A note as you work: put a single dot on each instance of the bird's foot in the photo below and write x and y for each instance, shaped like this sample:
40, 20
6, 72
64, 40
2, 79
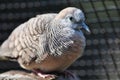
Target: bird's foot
50, 76
43, 75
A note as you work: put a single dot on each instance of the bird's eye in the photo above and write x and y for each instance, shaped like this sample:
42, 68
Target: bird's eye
71, 19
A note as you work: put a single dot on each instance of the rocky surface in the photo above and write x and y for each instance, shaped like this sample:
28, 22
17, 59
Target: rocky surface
22, 75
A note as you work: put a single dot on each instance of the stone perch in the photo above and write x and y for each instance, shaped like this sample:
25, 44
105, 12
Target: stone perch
22, 75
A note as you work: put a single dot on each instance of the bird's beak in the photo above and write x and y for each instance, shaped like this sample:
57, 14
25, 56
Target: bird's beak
84, 26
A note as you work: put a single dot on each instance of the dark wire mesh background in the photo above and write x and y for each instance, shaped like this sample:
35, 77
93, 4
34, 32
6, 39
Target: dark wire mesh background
101, 59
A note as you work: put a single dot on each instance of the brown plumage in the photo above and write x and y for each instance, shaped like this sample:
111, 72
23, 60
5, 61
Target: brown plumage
47, 42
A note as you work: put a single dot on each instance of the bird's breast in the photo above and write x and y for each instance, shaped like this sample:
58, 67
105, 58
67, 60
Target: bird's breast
63, 61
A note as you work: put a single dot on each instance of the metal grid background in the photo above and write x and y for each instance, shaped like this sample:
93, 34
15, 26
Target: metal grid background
101, 59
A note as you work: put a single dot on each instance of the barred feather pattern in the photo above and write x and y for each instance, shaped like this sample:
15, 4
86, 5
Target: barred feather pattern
58, 41
38, 36
29, 38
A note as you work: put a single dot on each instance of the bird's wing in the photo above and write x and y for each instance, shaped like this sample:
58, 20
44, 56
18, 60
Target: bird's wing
27, 40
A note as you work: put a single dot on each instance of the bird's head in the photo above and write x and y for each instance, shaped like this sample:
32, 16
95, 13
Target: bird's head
73, 18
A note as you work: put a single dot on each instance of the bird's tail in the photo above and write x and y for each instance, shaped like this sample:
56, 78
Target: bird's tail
5, 55
3, 58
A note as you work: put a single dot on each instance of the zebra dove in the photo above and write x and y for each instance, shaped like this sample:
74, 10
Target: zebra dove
48, 42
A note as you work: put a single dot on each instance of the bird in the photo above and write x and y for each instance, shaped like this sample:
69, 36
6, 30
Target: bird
48, 42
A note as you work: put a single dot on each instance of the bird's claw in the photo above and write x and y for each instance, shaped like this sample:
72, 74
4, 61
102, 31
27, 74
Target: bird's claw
50, 76
44, 75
